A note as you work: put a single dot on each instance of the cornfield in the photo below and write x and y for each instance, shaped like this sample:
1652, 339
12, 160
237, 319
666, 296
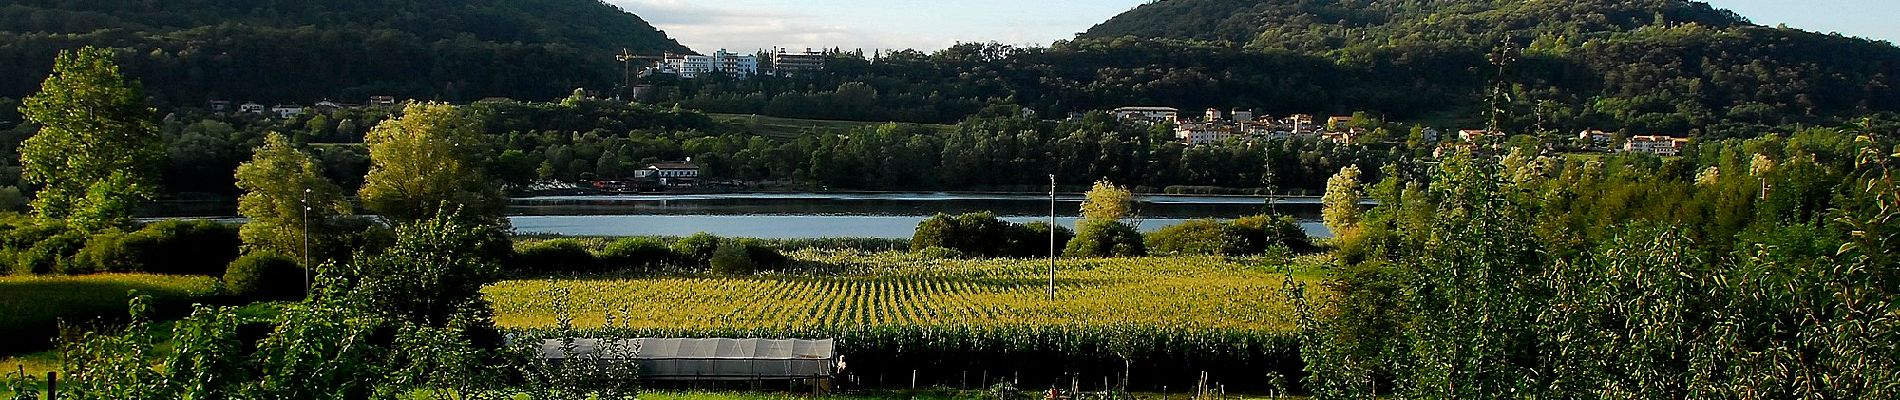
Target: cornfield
896, 311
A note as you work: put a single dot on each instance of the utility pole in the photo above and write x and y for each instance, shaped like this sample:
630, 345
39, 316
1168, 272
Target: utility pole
1052, 237
306, 241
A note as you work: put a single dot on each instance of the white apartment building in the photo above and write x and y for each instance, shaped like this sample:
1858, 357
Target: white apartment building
692, 66
1197, 134
1656, 144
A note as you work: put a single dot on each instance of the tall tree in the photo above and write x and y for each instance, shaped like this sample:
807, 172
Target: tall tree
1107, 201
426, 163
1340, 205
278, 183
97, 150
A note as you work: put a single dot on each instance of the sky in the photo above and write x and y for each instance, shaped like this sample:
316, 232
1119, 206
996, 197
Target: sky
749, 25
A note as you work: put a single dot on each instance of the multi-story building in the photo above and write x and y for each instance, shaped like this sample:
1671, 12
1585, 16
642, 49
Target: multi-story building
1194, 134
693, 66
1151, 114
1656, 144
785, 63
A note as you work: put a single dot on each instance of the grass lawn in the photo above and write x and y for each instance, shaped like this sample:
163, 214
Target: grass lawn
793, 128
873, 290
35, 305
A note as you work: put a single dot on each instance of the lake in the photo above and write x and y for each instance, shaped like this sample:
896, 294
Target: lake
878, 215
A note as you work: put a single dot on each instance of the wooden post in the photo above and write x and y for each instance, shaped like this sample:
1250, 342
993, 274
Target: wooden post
52, 385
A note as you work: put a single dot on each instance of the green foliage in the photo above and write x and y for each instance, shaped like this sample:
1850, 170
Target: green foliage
1107, 202
1260, 233
1340, 205
554, 256
698, 248
428, 163
53, 255
981, 234
732, 259
283, 187
264, 276
1109, 238
184, 247
1196, 237
432, 274
97, 150
639, 254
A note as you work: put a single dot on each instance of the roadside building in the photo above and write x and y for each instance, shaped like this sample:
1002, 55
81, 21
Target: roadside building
1150, 114
251, 108
1594, 138
671, 173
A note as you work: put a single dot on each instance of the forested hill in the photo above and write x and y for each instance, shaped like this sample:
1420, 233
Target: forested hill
301, 51
1666, 65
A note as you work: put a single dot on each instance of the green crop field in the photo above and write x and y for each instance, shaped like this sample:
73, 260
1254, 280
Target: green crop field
958, 322
897, 290
35, 304
792, 127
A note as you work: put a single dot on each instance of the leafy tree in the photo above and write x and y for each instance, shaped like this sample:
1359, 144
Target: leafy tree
283, 188
1340, 205
1106, 201
428, 163
97, 149
1105, 238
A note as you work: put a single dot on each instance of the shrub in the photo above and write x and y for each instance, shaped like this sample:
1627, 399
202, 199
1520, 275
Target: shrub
54, 255
1032, 239
732, 258
699, 248
763, 256
1259, 233
111, 251
984, 235
641, 253
1196, 237
180, 247
1105, 238
939, 253
554, 256
264, 276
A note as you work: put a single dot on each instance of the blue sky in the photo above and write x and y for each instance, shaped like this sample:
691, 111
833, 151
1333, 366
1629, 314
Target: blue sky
747, 25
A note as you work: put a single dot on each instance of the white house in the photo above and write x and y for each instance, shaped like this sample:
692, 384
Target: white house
1151, 114
671, 173
1656, 144
287, 110
1197, 134
253, 108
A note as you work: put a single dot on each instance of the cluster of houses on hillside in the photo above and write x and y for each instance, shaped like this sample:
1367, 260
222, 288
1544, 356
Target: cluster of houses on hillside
1217, 127
293, 110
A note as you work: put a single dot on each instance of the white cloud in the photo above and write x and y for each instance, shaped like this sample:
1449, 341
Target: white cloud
707, 28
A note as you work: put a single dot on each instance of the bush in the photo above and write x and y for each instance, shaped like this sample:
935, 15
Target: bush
54, 255
1259, 233
111, 251
1196, 237
731, 258
179, 247
939, 253
554, 256
264, 276
639, 254
1105, 238
983, 235
699, 248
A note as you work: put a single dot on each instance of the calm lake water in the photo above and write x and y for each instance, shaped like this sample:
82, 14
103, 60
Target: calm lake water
882, 215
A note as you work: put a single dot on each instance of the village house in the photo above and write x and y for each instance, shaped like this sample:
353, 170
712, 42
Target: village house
1594, 138
287, 110
1338, 123
220, 106
1660, 145
1154, 115
1299, 122
1213, 116
1475, 135
382, 101
252, 108
1198, 134
1243, 116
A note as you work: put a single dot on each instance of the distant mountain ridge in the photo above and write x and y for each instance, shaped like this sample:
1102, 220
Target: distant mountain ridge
275, 50
1668, 65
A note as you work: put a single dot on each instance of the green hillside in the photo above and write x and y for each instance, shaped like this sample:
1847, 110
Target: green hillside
187, 51
1664, 65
